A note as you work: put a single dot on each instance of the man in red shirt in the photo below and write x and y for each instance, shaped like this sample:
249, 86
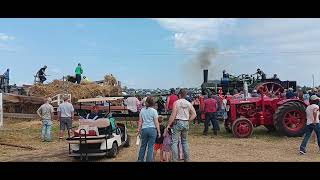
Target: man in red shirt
210, 109
170, 100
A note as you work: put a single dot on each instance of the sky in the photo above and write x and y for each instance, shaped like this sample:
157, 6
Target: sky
160, 53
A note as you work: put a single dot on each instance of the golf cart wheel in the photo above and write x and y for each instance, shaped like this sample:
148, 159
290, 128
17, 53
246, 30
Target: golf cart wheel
290, 119
127, 143
242, 128
113, 151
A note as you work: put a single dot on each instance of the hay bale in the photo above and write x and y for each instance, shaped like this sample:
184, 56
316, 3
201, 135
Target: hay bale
110, 80
84, 90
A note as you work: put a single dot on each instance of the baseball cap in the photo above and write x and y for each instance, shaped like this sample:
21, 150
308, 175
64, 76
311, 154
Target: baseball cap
314, 97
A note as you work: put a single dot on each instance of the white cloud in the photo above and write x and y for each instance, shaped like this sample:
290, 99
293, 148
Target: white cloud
189, 34
252, 43
5, 37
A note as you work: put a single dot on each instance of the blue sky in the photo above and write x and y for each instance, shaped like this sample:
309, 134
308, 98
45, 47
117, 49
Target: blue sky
151, 53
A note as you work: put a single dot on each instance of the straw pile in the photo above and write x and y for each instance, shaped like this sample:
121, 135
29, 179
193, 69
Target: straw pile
84, 90
110, 80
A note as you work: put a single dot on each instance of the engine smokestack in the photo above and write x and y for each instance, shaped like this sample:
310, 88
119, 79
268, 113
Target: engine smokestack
205, 75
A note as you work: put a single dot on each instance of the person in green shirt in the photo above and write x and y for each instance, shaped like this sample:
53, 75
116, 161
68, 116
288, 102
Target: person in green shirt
78, 72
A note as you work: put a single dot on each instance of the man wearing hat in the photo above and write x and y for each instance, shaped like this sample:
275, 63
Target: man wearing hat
261, 73
290, 94
41, 74
78, 72
65, 116
255, 93
312, 113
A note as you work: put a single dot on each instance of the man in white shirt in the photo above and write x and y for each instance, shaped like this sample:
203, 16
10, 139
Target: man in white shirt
132, 105
182, 113
312, 113
65, 116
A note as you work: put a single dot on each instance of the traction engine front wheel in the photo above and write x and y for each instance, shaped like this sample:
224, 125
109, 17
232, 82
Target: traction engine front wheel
242, 128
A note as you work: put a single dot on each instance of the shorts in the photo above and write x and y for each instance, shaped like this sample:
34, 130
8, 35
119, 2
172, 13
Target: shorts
65, 121
133, 114
157, 147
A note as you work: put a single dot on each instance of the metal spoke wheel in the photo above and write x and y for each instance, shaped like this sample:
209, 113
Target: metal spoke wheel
242, 128
270, 89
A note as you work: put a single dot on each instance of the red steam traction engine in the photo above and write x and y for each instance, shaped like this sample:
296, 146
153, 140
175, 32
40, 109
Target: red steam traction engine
286, 116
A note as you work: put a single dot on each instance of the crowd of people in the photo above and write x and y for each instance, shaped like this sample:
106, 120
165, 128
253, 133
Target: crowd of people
183, 108
172, 141
171, 137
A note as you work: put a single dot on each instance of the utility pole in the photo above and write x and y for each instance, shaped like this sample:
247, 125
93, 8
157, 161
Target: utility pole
313, 80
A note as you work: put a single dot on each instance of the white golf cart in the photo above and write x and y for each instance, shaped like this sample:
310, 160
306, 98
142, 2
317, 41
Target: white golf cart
100, 137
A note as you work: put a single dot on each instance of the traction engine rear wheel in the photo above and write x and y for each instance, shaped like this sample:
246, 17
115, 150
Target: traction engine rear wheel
270, 89
242, 128
290, 119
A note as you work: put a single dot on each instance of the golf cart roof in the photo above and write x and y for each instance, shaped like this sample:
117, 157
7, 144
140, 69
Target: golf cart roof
100, 99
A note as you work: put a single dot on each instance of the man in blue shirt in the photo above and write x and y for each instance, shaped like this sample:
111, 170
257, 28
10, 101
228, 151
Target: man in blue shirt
290, 94
95, 113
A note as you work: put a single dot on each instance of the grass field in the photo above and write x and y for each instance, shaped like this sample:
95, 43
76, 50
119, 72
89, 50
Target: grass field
261, 147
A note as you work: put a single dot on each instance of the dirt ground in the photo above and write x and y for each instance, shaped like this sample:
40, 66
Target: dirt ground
261, 147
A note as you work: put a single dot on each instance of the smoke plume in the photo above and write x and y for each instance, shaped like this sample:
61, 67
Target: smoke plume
205, 57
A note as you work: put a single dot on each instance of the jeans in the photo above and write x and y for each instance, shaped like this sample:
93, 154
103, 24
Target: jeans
310, 128
211, 117
78, 78
148, 138
46, 129
180, 129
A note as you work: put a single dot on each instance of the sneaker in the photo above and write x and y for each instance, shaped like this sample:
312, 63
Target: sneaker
302, 152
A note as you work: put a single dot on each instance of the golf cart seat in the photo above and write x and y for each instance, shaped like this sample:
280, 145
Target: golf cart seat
92, 126
99, 123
